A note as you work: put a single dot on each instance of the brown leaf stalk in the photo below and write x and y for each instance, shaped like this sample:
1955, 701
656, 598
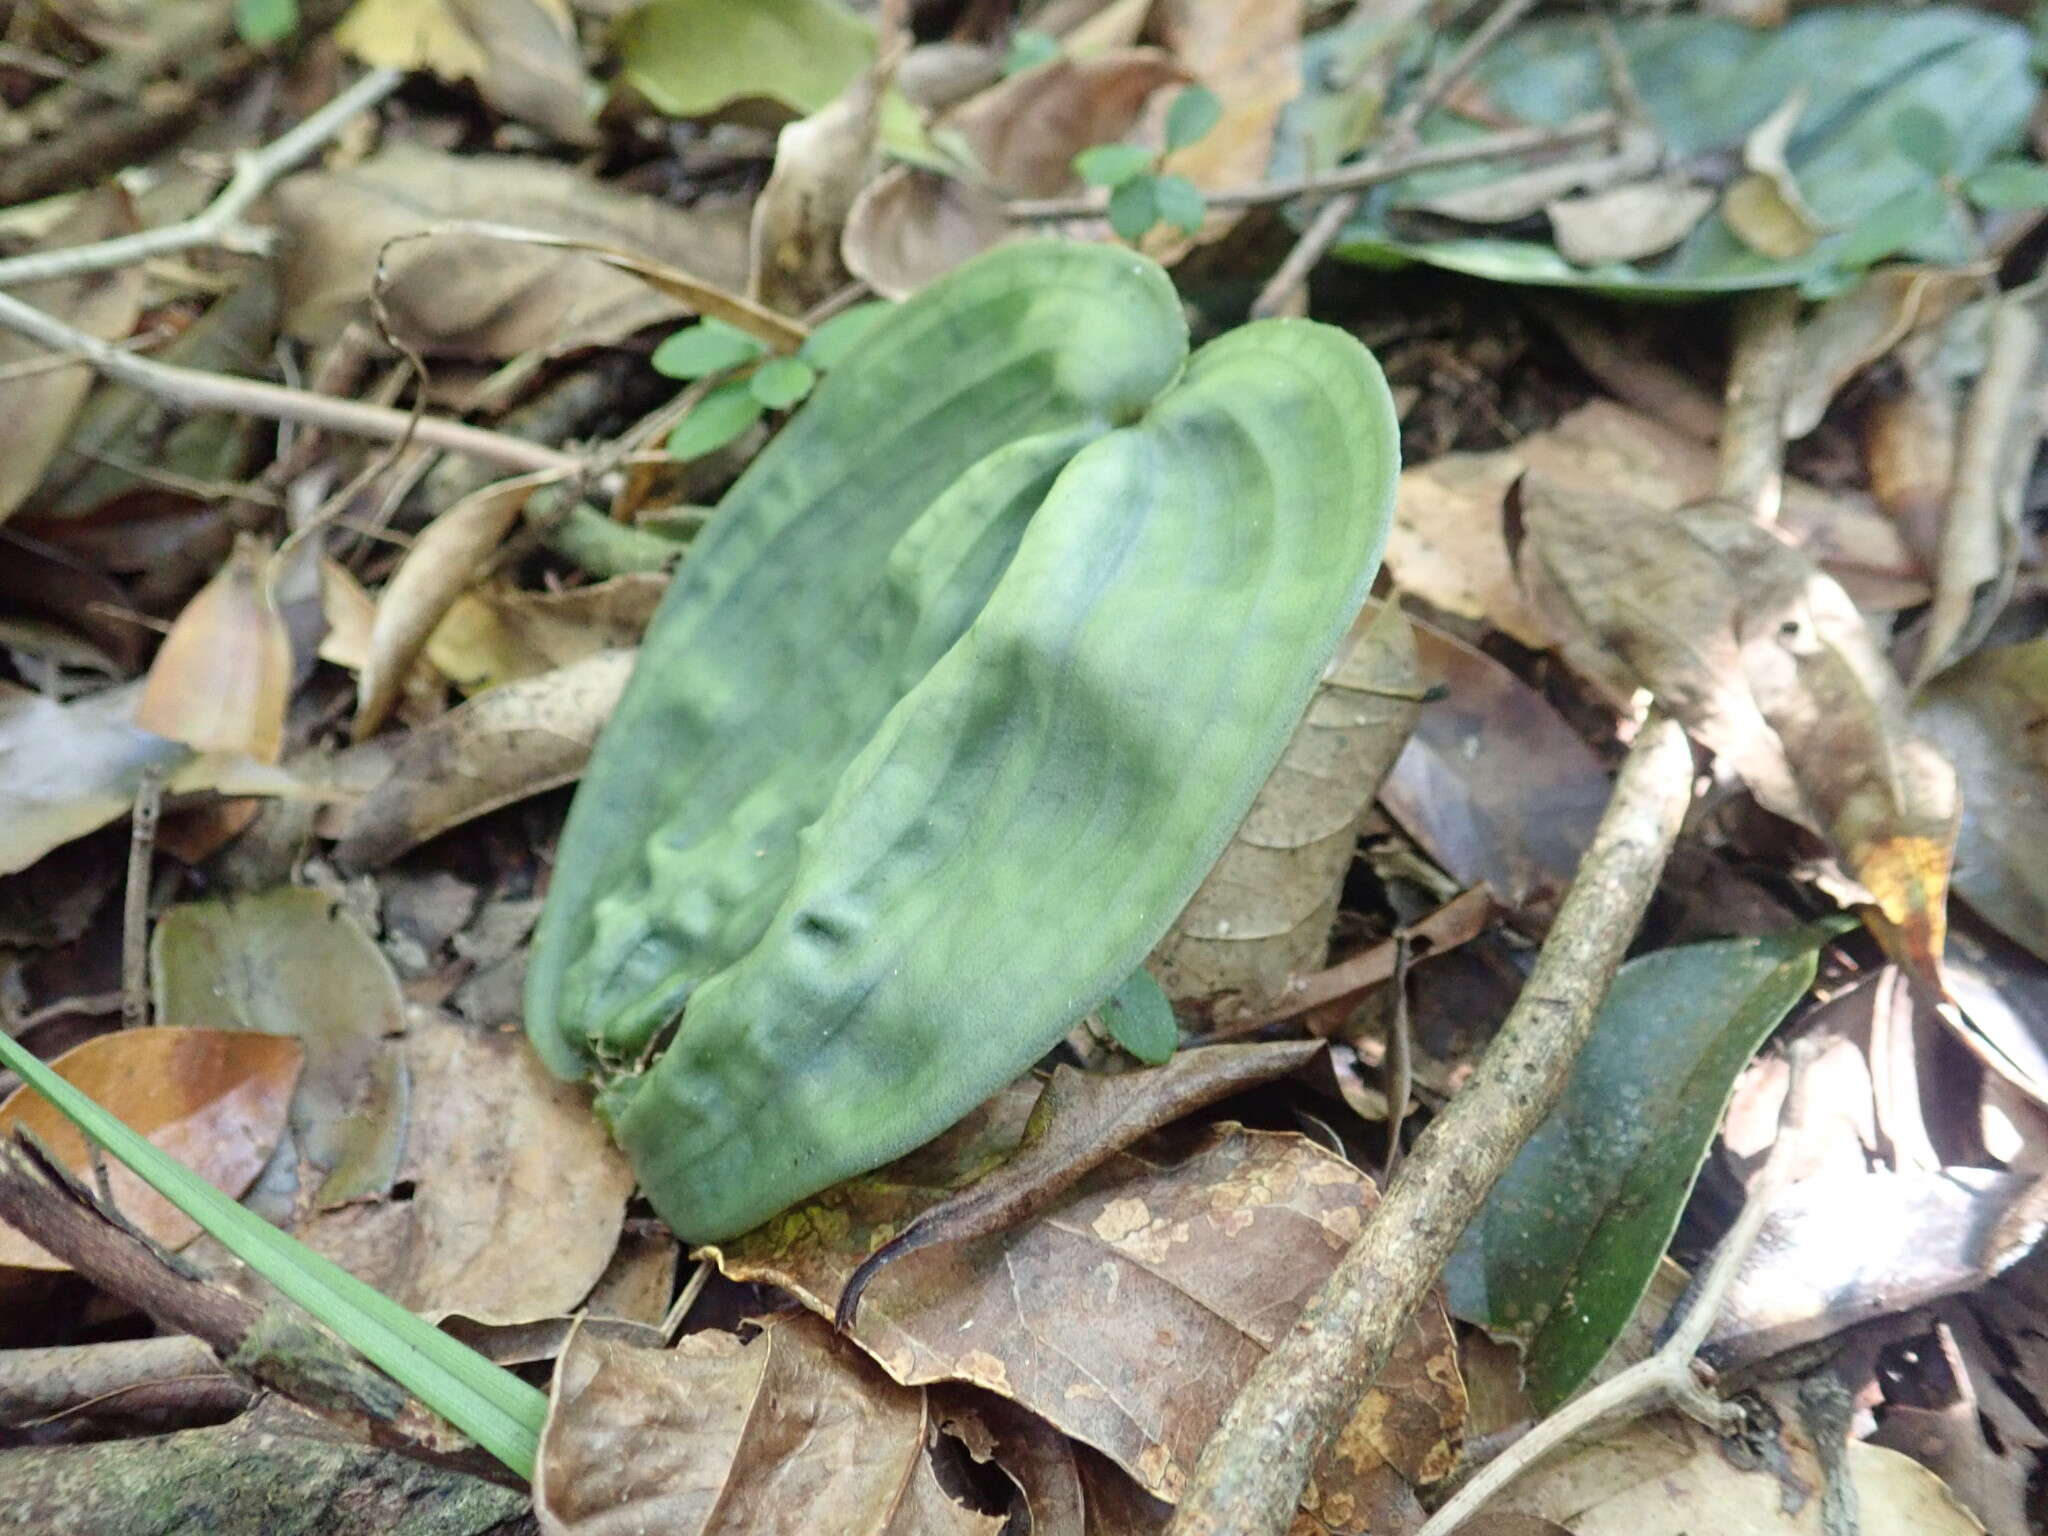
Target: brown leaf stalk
1252, 1473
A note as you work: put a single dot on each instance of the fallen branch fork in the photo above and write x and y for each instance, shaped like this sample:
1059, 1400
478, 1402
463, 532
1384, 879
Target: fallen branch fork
1254, 1468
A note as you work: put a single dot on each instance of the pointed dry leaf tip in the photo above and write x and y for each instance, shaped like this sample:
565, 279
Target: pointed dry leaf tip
223, 677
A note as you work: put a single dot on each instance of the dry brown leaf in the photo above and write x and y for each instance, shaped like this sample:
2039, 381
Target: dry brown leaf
1130, 1312
1910, 424
1765, 208
499, 634
1627, 223
38, 403
507, 744
1493, 784
522, 54
1249, 53
910, 226
442, 563
1765, 659
213, 1099
468, 296
791, 1430
1849, 333
290, 962
518, 1193
1079, 1120
222, 680
1262, 916
42, 584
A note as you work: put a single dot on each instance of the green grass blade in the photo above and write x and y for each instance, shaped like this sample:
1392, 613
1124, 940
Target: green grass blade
493, 1407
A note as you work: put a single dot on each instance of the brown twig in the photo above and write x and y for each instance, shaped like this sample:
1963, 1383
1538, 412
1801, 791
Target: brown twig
149, 799
1753, 413
1252, 1472
128, 1378
1672, 1374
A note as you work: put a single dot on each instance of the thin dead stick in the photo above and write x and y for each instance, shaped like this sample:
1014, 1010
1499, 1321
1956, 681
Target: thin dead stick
1753, 419
220, 222
1329, 221
196, 390
1671, 1375
1254, 1468
1357, 175
149, 797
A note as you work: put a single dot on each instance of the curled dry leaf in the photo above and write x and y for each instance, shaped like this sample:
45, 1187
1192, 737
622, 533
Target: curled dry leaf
518, 1193
1766, 660
1849, 333
499, 634
1627, 223
791, 1429
1128, 1313
1765, 208
522, 54
214, 1099
38, 401
503, 746
442, 563
222, 680
289, 962
1262, 916
467, 296
910, 226
1910, 425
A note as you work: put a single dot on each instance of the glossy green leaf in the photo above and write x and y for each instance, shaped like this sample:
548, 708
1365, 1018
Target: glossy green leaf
834, 341
716, 420
1111, 165
1179, 202
1194, 112
1706, 82
780, 384
491, 1405
2008, 184
957, 698
1140, 1019
706, 347
1134, 207
1569, 1238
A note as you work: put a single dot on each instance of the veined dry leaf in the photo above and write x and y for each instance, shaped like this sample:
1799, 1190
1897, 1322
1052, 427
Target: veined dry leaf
289, 962
1766, 208
522, 54
442, 563
1766, 660
1262, 916
498, 634
1847, 334
518, 1196
1627, 223
509, 743
1249, 53
1130, 1312
67, 769
465, 296
223, 678
38, 404
214, 1099
789, 1430
909, 226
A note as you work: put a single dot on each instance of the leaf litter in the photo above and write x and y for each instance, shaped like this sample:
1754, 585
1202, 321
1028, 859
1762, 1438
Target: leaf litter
1057, 1318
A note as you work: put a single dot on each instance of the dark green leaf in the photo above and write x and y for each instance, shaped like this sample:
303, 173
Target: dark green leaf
780, 384
718, 418
1134, 208
836, 338
1892, 226
1569, 1238
260, 23
1029, 49
1194, 112
1140, 1019
706, 347
1179, 202
1923, 136
2007, 184
1111, 165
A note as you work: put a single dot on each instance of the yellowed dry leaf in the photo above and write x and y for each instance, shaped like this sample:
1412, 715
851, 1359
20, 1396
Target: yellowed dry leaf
499, 634
1765, 208
222, 679
522, 54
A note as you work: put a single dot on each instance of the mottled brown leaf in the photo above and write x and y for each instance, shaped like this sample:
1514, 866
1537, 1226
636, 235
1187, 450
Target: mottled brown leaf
222, 679
213, 1099
789, 1431
1130, 1312
500, 633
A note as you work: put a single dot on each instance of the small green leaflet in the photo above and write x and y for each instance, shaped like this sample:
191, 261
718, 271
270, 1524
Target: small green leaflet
709, 346
1179, 202
1112, 165
1134, 208
1140, 1019
259, 23
2009, 184
781, 383
1923, 136
1194, 112
717, 419
492, 1406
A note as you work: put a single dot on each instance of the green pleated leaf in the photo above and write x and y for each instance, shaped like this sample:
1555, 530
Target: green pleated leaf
491, 1405
1569, 1238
